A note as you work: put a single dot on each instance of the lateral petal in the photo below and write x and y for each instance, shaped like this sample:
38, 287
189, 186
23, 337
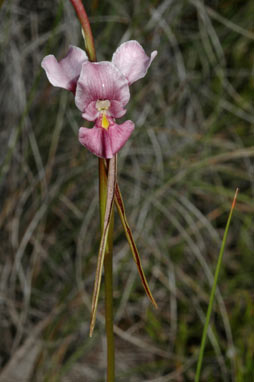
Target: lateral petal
91, 113
116, 109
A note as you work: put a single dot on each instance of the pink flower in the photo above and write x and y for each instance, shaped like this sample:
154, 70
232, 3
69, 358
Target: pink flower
101, 92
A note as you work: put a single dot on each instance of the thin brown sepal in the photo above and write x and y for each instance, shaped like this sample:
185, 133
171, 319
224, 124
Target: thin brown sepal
133, 247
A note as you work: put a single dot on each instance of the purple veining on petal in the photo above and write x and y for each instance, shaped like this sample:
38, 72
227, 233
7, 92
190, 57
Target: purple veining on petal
91, 112
100, 81
119, 134
116, 109
96, 140
106, 142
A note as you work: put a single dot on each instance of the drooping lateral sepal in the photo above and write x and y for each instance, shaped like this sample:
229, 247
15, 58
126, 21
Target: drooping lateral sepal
104, 238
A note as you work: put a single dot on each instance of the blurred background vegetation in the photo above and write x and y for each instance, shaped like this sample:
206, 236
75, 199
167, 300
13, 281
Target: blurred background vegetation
192, 146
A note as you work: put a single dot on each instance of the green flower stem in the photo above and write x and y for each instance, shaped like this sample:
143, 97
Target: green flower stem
84, 21
108, 273
108, 268
212, 295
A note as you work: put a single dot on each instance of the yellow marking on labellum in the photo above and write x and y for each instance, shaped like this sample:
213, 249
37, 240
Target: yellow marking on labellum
104, 121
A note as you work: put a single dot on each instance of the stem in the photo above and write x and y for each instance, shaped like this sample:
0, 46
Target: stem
108, 271
83, 18
108, 268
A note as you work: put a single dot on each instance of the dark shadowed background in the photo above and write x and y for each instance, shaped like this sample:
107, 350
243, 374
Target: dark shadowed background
192, 146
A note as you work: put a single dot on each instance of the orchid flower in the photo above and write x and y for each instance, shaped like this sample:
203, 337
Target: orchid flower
101, 91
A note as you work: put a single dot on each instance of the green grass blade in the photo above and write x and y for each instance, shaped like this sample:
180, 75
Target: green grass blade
212, 295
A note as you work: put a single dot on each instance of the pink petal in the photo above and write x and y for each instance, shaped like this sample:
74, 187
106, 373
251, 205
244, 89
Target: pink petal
106, 143
96, 140
131, 59
119, 134
91, 113
65, 73
116, 109
100, 81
